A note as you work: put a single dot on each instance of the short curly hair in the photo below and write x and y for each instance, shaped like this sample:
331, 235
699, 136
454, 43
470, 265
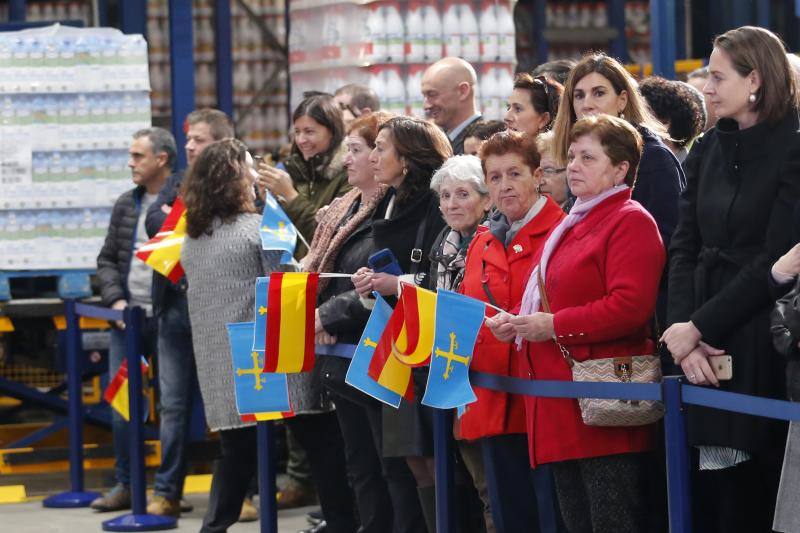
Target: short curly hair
675, 104
514, 142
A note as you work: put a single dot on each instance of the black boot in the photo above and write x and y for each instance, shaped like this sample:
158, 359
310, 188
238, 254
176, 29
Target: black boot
427, 499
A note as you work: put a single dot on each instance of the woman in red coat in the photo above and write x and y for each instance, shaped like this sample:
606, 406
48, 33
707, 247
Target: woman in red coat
492, 430
601, 268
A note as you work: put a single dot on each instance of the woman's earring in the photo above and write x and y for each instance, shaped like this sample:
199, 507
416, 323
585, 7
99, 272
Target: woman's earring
752, 98
539, 188
622, 115
405, 171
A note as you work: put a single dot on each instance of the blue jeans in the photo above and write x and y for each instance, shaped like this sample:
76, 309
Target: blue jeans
176, 378
119, 426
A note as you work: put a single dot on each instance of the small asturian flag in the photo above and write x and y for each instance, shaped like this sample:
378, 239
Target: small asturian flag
458, 320
163, 252
277, 231
357, 373
259, 395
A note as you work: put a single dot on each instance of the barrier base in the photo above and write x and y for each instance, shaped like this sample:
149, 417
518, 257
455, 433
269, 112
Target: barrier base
140, 522
65, 500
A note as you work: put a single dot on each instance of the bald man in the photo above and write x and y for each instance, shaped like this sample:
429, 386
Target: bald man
448, 89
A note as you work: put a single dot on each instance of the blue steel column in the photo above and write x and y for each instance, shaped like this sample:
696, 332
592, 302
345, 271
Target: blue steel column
662, 37
268, 506
616, 19
16, 11
539, 25
223, 51
763, 13
680, 509
181, 55
443, 457
680, 30
75, 497
133, 15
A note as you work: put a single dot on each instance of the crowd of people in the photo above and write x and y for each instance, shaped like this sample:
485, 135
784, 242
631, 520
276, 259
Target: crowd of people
603, 218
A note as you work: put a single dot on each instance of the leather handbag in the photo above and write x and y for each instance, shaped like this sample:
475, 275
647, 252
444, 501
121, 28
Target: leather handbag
625, 369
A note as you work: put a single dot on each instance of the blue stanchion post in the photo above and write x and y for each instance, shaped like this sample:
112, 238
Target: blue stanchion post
268, 506
138, 519
76, 497
443, 458
680, 511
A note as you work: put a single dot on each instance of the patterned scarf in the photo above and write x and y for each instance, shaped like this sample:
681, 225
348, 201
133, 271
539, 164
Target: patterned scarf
450, 261
333, 229
531, 299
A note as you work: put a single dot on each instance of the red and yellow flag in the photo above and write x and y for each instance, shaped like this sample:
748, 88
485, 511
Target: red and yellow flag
116, 394
163, 252
264, 417
406, 341
291, 302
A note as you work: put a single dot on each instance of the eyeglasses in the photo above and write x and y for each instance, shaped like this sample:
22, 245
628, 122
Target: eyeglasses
550, 171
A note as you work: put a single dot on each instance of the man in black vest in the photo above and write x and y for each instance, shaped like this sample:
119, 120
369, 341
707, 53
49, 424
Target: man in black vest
448, 89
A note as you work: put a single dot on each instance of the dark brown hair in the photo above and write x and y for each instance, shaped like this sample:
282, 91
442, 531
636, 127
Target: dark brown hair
325, 111
620, 141
366, 126
511, 142
545, 94
636, 111
220, 125
215, 187
422, 147
752, 48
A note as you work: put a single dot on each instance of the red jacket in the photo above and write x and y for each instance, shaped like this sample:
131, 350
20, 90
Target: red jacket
506, 272
601, 282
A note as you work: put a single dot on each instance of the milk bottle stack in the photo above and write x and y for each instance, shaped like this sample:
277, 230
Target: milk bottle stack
70, 100
386, 44
258, 76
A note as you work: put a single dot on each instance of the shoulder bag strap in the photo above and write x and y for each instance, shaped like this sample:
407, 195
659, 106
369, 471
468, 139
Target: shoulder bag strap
546, 307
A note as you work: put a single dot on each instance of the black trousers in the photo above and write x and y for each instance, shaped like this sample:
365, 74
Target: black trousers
384, 487
232, 473
321, 437
522, 501
737, 499
603, 494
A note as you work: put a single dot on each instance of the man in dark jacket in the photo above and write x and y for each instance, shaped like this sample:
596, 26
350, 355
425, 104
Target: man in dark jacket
177, 375
126, 280
448, 89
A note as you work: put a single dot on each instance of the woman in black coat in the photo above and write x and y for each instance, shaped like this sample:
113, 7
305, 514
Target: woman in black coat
407, 153
384, 488
735, 221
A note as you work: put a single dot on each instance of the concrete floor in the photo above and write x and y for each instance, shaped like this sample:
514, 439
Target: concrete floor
32, 517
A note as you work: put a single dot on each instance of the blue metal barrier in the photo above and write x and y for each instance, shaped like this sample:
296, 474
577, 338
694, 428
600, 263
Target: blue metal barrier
76, 497
138, 520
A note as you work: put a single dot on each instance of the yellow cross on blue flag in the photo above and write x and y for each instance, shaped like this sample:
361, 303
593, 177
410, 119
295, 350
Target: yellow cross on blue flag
277, 231
458, 319
262, 299
358, 372
256, 391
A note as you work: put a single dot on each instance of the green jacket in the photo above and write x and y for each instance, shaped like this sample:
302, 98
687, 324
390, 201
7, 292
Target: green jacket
317, 181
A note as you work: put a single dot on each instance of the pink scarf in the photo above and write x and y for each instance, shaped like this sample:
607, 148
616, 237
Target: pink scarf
531, 299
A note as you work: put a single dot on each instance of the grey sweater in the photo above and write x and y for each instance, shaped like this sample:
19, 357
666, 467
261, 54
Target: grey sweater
221, 270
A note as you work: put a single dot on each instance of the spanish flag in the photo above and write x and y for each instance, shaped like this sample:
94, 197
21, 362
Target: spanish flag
406, 341
291, 302
116, 394
163, 252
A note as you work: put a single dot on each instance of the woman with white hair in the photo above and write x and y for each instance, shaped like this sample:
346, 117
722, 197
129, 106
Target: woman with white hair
464, 201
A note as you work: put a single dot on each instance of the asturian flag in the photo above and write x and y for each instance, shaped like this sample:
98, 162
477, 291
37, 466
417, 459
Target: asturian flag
277, 231
258, 394
357, 374
458, 320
